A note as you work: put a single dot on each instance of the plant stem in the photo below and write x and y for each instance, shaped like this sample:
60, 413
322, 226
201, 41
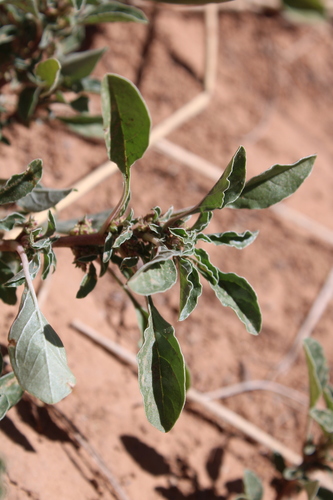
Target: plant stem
118, 208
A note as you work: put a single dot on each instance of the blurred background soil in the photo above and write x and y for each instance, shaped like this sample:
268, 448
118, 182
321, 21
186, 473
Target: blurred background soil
274, 96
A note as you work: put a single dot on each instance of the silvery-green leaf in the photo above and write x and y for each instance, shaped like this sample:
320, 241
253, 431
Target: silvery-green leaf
42, 198
190, 288
20, 185
205, 267
10, 393
230, 238
161, 372
19, 278
317, 369
273, 185
154, 277
11, 220
124, 236
37, 354
235, 292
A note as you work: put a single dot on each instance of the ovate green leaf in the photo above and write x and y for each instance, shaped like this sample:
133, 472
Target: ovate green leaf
112, 12
235, 292
48, 72
126, 121
161, 372
37, 354
317, 369
20, 185
272, 186
154, 277
190, 288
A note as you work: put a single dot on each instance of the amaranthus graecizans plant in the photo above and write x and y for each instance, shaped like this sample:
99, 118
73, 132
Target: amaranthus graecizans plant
151, 253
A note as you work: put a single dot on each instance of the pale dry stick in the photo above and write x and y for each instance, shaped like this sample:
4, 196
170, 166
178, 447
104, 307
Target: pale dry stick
317, 310
196, 397
212, 46
257, 385
318, 230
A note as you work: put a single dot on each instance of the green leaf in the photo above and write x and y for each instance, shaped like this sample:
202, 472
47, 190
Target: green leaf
113, 12
235, 173
19, 278
126, 121
273, 185
324, 418
252, 486
306, 6
88, 283
161, 372
205, 267
235, 292
230, 238
81, 104
311, 488
20, 185
125, 235
156, 276
11, 221
328, 396
190, 288
317, 369
8, 267
10, 393
85, 125
29, 6
48, 72
27, 103
42, 198
191, 2
202, 222
37, 354
78, 65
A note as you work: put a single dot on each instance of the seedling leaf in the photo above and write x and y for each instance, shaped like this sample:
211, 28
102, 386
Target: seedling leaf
324, 418
317, 369
161, 372
272, 186
37, 354
10, 221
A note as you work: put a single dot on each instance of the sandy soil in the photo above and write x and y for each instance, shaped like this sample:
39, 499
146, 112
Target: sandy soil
274, 96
